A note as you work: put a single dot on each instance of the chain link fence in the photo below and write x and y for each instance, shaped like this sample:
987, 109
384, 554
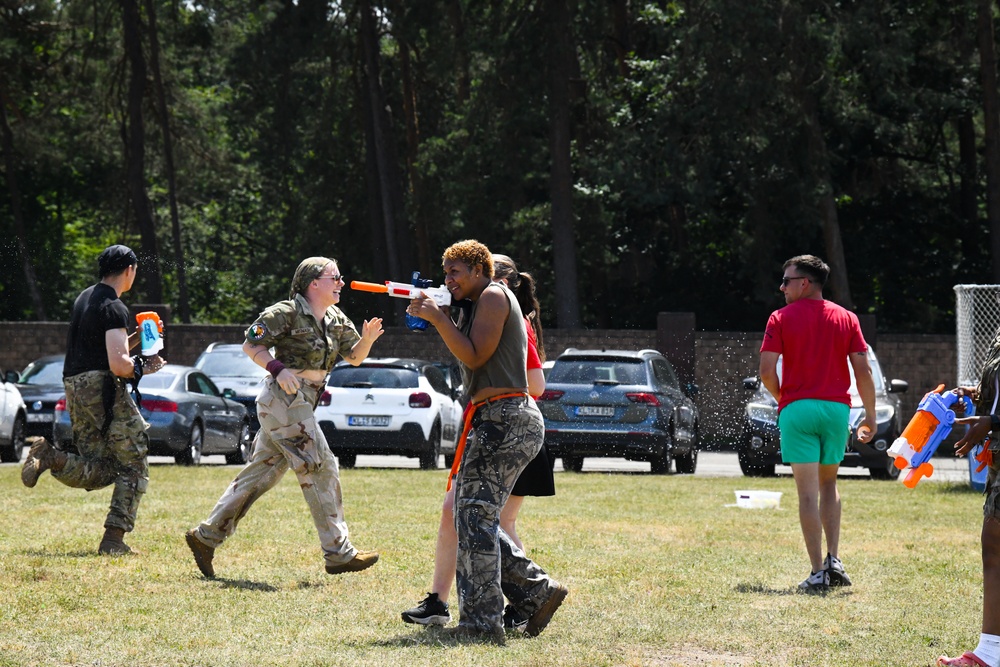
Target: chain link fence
977, 320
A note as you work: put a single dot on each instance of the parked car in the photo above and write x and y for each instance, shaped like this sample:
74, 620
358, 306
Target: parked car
390, 406
188, 416
759, 448
41, 385
13, 419
619, 403
230, 368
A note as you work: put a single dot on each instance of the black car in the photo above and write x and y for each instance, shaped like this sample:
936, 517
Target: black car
41, 385
230, 368
188, 417
619, 403
759, 447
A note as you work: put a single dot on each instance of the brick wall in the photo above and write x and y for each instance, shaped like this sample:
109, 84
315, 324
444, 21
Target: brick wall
722, 359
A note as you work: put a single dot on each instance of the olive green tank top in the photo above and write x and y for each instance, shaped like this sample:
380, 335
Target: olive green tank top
507, 366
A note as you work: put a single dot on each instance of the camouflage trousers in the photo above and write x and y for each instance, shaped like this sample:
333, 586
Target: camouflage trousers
506, 434
991, 509
119, 457
289, 437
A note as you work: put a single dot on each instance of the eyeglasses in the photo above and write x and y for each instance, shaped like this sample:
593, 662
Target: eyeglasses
333, 278
785, 281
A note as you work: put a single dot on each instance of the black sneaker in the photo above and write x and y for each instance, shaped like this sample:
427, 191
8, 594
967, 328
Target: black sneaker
817, 582
430, 611
835, 571
513, 619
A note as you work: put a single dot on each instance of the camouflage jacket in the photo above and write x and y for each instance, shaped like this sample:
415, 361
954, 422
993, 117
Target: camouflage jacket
299, 341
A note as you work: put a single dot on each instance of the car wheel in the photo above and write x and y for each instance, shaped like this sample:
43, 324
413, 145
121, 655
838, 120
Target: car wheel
887, 471
12, 454
449, 461
243, 448
572, 463
429, 459
347, 460
191, 456
751, 467
686, 463
660, 465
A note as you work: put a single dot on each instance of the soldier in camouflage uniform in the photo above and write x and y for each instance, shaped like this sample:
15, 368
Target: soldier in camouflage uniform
307, 333
986, 425
504, 432
108, 431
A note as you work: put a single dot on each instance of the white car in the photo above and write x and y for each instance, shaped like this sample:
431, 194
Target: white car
13, 418
405, 407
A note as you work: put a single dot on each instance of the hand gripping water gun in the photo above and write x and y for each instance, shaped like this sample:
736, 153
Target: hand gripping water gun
150, 332
420, 287
929, 427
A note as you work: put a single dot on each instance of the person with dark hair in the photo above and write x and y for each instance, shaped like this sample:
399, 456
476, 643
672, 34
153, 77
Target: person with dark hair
985, 425
816, 339
535, 480
503, 431
307, 333
108, 431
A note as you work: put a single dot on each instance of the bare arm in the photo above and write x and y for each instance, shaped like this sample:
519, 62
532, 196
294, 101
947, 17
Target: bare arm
475, 349
769, 373
536, 382
117, 343
371, 331
866, 389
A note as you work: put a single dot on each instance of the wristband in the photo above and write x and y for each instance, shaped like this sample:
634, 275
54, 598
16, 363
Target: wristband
274, 367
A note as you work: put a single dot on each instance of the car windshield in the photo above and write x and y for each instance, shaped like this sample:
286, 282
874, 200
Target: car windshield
45, 372
161, 379
591, 371
229, 363
375, 377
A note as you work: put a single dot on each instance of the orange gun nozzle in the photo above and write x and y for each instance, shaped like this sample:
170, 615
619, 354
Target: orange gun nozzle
368, 287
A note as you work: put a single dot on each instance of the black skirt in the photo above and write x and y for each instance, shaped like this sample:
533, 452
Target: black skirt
536, 478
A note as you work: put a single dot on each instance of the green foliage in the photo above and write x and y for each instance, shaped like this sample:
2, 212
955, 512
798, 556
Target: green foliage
694, 174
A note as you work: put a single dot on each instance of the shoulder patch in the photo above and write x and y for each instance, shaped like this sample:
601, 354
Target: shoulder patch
257, 331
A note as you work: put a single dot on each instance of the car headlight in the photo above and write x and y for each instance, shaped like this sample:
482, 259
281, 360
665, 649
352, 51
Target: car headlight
763, 412
884, 413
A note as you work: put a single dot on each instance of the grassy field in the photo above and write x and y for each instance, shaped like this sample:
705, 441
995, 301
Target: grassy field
661, 571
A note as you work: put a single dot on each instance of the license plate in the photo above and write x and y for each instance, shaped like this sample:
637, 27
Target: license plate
595, 411
355, 420
44, 417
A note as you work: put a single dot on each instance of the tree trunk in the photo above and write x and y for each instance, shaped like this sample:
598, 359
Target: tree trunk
991, 116
135, 151
183, 308
15, 208
561, 179
420, 227
461, 54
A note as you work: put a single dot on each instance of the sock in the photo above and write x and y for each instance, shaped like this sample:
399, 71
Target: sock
989, 649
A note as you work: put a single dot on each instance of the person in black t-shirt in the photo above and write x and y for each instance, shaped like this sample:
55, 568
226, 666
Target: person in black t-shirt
108, 430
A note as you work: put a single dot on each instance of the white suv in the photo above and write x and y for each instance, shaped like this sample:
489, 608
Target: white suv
406, 407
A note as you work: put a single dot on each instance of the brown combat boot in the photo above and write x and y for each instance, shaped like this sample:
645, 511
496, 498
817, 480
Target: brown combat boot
203, 554
543, 615
113, 543
42, 456
361, 561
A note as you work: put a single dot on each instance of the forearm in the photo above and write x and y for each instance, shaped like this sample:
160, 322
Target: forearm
359, 352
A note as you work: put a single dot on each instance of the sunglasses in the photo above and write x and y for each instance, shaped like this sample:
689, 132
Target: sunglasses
785, 281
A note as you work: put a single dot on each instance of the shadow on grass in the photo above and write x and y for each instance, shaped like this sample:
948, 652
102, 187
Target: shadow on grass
961, 489
767, 590
46, 553
243, 584
431, 636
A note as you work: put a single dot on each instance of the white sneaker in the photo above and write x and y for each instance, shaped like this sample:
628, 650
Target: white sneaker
835, 570
817, 582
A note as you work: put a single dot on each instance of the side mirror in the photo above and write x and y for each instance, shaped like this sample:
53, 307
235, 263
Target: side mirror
691, 389
12, 377
897, 386
228, 393
751, 384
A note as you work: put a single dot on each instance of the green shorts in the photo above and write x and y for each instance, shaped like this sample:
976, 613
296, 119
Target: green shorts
814, 431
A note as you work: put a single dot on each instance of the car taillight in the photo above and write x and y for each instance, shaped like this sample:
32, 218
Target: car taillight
550, 395
61, 405
157, 405
643, 397
420, 399
326, 398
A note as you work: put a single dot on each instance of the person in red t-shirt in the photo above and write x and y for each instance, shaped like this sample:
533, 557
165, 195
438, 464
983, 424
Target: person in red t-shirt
816, 338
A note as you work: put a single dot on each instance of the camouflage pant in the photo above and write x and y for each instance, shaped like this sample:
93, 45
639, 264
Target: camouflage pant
289, 437
507, 434
117, 458
991, 509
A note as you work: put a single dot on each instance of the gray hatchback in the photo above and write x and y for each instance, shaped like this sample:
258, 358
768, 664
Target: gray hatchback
619, 403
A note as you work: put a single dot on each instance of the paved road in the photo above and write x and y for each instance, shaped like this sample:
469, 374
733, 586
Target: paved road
710, 464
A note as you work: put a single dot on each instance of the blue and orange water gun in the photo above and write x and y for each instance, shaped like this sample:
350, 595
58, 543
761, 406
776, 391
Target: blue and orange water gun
931, 424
